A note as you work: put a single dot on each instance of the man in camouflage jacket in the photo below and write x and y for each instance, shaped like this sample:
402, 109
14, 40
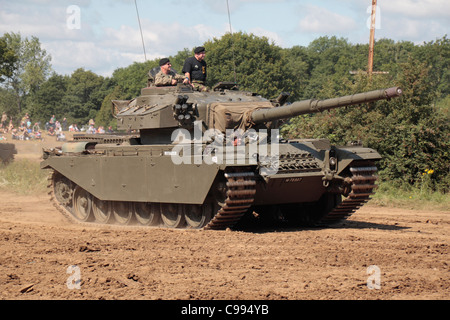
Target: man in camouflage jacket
167, 77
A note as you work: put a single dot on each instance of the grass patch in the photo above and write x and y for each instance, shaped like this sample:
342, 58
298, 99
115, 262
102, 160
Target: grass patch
23, 177
411, 197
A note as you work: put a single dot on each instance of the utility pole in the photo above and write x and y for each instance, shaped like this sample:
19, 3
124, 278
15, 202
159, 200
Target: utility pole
371, 44
372, 38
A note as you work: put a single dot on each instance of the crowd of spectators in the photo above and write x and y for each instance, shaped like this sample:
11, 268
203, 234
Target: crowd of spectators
26, 130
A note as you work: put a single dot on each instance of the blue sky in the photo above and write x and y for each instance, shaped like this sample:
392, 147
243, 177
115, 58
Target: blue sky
104, 34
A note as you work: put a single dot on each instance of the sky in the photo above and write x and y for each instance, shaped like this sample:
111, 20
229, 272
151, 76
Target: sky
104, 35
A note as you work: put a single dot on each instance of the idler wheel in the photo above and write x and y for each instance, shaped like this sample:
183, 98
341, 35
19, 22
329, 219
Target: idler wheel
122, 212
101, 210
172, 215
146, 213
82, 204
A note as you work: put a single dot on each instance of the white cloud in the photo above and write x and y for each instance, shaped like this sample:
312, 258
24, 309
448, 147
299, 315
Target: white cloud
160, 39
321, 20
422, 9
93, 47
416, 31
68, 54
272, 36
123, 46
415, 21
220, 6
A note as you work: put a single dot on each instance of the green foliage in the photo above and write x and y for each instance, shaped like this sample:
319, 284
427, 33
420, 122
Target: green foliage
7, 60
260, 66
77, 98
133, 78
48, 100
178, 60
30, 69
104, 116
83, 92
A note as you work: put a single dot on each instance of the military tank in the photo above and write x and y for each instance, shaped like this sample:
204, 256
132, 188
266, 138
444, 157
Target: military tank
7, 152
205, 160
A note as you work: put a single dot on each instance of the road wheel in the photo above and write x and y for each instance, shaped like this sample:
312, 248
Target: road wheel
101, 210
82, 204
122, 212
172, 215
198, 216
147, 213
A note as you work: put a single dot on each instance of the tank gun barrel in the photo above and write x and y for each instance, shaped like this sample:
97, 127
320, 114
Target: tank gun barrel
313, 106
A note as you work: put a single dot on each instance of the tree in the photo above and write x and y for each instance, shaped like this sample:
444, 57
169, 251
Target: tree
7, 60
133, 78
84, 96
48, 100
104, 116
31, 68
437, 55
179, 59
260, 66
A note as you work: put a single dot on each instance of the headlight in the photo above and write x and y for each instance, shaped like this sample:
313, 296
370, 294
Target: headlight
333, 161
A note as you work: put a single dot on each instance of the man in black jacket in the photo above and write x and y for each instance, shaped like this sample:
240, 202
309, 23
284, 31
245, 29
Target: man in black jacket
195, 69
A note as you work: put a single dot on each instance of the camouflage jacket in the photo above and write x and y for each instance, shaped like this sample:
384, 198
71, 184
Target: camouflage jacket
162, 79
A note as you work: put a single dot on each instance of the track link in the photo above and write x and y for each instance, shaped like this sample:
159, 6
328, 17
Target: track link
241, 190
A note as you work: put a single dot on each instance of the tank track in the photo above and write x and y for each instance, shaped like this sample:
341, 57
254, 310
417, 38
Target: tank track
240, 195
239, 191
362, 187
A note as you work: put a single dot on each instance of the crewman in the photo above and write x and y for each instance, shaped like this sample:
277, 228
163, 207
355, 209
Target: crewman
195, 69
168, 77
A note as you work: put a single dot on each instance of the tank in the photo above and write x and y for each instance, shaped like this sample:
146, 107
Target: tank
211, 160
7, 152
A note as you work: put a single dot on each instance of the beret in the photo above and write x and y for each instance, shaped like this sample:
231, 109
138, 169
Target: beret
199, 49
163, 61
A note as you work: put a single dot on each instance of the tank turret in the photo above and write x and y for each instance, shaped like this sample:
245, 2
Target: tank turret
162, 109
147, 174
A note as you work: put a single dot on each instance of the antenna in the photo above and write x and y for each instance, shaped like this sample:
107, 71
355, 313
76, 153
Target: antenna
232, 43
142, 36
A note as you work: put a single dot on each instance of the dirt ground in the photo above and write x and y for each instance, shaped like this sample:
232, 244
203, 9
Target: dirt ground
379, 253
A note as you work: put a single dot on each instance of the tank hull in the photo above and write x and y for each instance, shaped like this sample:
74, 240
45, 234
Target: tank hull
133, 176
129, 174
